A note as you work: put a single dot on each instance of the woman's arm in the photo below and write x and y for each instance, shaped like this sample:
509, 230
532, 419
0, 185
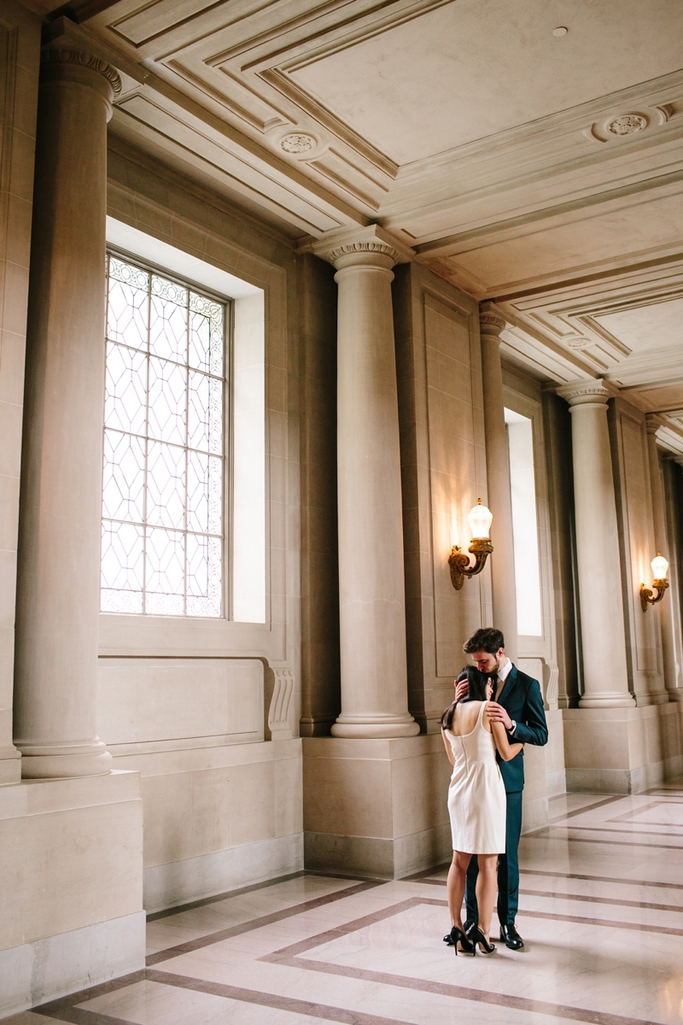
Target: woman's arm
449, 749
506, 750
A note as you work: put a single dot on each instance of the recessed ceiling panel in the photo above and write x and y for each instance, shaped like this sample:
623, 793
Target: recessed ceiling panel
657, 326
645, 230
477, 67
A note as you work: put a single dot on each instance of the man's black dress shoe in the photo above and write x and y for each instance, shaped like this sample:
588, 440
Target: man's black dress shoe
510, 937
468, 925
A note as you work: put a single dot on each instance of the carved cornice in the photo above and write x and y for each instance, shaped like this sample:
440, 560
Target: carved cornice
51, 55
593, 392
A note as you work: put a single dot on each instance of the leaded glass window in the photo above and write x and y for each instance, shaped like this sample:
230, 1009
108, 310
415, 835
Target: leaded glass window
162, 509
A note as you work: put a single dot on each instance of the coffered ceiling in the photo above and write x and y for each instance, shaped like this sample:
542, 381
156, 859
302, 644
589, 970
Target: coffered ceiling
531, 153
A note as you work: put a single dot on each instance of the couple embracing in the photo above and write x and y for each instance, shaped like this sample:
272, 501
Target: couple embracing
497, 710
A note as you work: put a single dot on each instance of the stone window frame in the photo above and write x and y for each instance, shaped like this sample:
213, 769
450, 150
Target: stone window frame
206, 233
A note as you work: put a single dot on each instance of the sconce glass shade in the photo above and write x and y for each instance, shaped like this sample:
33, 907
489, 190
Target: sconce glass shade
660, 567
480, 519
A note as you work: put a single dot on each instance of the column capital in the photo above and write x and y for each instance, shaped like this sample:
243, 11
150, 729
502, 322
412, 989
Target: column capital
491, 320
53, 55
593, 392
359, 245
652, 423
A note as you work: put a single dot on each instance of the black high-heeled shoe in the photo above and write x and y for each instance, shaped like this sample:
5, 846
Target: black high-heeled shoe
477, 938
458, 937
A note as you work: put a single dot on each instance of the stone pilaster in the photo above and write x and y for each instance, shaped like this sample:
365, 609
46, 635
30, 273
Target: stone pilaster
371, 579
60, 510
663, 609
491, 323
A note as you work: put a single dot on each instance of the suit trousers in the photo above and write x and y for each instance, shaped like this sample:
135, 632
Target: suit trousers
508, 867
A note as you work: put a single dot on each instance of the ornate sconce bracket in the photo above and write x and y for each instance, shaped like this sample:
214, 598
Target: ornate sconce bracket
459, 561
648, 598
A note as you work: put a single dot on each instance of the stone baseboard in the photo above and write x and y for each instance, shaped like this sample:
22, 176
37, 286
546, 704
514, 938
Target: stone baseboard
47, 969
178, 882
377, 857
556, 782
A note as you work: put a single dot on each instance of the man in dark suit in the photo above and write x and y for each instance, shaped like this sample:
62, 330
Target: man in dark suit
518, 706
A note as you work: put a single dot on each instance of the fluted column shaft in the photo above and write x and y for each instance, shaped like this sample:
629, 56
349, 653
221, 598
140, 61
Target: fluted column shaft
603, 639
374, 683
663, 609
498, 479
60, 512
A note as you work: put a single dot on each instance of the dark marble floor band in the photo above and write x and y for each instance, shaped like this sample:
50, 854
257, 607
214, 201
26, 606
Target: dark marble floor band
178, 909
256, 923
271, 1000
601, 879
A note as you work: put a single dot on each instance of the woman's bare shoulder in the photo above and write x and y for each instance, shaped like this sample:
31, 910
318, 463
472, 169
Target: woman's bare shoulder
465, 717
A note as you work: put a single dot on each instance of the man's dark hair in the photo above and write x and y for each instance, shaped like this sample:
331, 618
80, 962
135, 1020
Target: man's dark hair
476, 691
487, 639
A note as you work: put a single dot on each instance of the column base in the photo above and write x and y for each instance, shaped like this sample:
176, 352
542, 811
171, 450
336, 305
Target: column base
386, 727
10, 765
64, 761
610, 699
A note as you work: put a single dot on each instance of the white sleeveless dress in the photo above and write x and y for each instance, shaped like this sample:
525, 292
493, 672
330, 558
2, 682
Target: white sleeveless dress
476, 795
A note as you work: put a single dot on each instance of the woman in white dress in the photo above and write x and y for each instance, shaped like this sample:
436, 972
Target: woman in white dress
476, 804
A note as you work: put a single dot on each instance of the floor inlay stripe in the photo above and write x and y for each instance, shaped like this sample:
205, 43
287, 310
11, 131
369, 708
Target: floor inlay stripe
178, 909
607, 843
261, 999
257, 923
589, 899
291, 956
586, 808
64, 1009
303, 946
600, 879
580, 1014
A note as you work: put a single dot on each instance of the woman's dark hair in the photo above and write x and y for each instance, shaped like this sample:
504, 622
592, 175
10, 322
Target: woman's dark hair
476, 691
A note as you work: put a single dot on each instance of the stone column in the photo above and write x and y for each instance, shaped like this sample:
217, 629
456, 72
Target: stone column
603, 638
60, 511
491, 323
374, 682
663, 609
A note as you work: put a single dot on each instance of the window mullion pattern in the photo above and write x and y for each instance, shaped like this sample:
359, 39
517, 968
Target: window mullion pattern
162, 505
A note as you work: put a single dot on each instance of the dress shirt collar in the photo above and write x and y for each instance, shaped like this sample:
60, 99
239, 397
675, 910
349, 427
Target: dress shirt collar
504, 670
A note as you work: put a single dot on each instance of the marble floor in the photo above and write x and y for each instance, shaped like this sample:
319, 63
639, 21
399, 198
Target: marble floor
601, 914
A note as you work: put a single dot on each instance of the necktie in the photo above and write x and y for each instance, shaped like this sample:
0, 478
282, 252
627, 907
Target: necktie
499, 686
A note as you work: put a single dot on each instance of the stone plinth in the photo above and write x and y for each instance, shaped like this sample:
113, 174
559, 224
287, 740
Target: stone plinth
622, 750
376, 807
72, 886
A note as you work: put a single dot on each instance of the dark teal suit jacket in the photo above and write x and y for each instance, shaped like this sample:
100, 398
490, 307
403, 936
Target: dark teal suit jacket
522, 700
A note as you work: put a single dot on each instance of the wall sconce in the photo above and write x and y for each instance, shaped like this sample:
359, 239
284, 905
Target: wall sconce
479, 519
660, 568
